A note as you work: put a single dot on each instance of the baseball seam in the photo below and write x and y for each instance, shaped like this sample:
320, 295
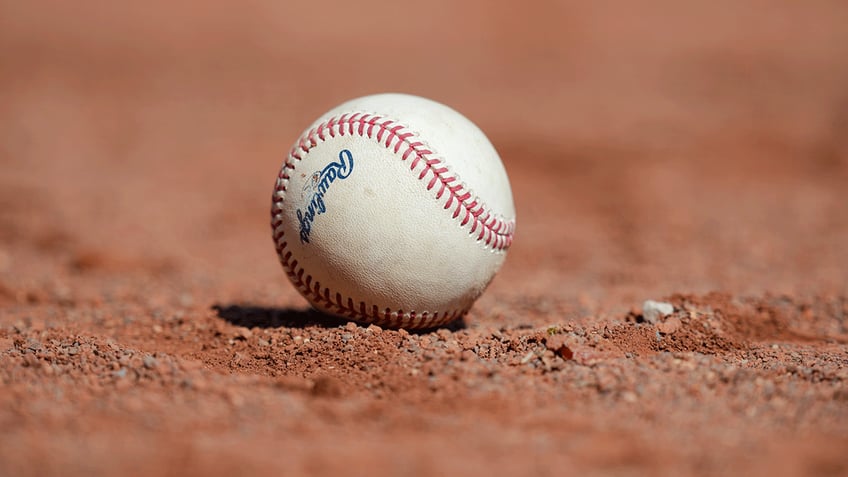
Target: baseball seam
490, 229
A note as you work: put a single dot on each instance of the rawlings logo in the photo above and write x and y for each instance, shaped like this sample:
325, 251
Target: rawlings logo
317, 187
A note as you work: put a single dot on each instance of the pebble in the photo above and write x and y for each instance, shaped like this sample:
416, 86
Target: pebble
629, 396
669, 326
654, 310
149, 362
559, 345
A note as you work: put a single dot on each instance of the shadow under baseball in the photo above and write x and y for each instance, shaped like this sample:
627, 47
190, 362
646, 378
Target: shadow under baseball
251, 316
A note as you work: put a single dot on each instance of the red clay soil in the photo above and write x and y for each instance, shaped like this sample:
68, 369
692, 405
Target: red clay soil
688, 152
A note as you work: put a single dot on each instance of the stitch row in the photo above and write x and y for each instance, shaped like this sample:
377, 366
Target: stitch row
493, 231
336, 303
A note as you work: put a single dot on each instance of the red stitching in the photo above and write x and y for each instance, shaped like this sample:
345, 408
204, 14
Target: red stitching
494, 232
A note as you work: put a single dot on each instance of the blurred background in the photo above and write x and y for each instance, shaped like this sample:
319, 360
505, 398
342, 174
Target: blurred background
653, 146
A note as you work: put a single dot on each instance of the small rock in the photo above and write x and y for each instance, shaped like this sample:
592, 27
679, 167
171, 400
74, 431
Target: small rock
590, 356
149, 362
669, 326
33, 344
654, 310
526, 359
629, 396
558, 344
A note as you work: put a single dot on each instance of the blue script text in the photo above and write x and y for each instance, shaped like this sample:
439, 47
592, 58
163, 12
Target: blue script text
321, 183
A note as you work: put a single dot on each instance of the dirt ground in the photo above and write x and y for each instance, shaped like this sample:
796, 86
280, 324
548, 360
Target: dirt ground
689, 152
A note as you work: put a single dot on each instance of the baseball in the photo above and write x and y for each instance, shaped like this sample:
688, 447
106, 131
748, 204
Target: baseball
394, 210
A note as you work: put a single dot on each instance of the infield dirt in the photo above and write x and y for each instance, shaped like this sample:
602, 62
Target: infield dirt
691, 153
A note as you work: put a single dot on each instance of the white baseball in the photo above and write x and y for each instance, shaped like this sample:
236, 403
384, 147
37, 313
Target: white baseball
392, 209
